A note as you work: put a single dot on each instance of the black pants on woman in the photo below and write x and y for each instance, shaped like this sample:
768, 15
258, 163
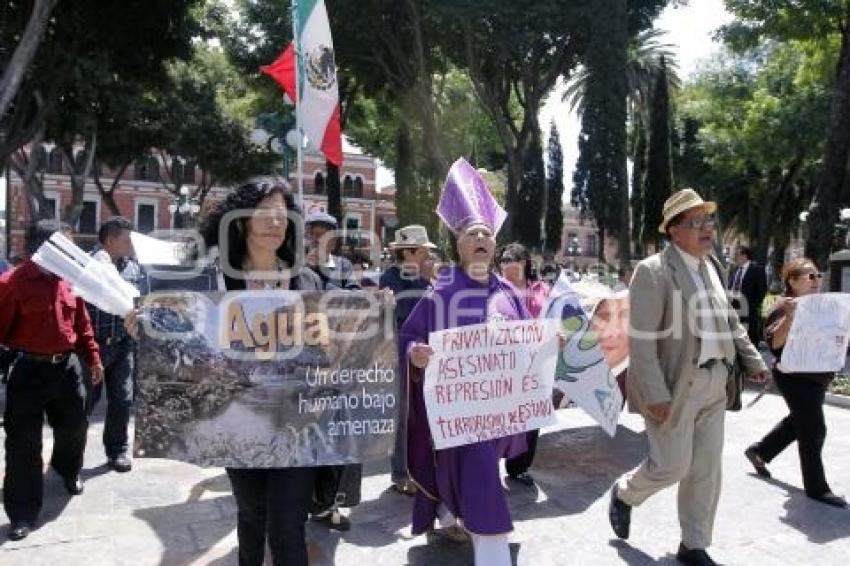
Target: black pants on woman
520, 464
272, 503
805, 424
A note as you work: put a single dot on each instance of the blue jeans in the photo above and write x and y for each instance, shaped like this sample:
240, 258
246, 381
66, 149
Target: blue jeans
117, 362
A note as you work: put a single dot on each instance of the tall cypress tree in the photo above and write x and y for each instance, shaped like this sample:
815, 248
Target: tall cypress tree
659, 173
554, 191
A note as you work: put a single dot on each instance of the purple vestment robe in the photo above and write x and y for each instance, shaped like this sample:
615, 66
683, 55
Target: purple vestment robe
465, 478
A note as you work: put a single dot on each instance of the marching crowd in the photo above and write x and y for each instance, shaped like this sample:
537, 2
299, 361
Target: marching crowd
678, 372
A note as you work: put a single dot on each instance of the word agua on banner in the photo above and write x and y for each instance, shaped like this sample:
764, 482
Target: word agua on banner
265, 379
490, 380
818, 338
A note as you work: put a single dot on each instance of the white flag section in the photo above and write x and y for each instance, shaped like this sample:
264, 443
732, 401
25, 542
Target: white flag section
582, 373
818, 338
317, 80
490, 380
151, 251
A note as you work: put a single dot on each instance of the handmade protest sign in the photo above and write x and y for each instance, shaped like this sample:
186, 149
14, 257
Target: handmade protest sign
490, 380
583, 374
266, 378
819, 334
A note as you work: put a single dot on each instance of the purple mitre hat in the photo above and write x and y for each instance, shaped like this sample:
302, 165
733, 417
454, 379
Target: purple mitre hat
467, 200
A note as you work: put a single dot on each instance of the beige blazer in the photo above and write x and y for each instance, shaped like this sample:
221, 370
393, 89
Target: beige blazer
663, 345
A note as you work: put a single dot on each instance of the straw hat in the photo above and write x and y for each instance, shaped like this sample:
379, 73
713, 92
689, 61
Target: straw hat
679, 202
413, 236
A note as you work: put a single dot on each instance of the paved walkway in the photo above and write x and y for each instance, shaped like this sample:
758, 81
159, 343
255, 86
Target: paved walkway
169, 513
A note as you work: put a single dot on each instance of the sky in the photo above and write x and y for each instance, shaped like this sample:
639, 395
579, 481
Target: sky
689, 30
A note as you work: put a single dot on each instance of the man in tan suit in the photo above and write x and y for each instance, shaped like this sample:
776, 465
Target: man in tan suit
683, 341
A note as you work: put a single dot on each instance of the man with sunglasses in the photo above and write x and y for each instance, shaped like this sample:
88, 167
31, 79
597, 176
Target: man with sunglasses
683, 340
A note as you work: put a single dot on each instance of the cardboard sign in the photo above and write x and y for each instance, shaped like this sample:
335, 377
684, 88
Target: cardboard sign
490, 380
819, 334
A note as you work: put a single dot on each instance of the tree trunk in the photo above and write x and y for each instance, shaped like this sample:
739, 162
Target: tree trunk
828, 196
638, 166
25, 51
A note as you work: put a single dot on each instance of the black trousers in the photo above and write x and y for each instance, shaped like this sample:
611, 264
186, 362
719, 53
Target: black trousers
118, 360
272, 503
521, 464
805, 424
37, 388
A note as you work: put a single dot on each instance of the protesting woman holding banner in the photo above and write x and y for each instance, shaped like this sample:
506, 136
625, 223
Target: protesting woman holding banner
803, 392
258, 254
461, 485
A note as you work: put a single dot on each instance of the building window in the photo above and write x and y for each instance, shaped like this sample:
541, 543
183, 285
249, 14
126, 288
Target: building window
319, 184
147, 169
54, 161
88, 222
51, 201
592, 249
358, 187
40, 155
348, 186
145, 220
189, 173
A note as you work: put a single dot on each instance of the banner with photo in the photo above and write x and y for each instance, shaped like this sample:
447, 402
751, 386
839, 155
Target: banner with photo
594, 319
490, 380
266, 378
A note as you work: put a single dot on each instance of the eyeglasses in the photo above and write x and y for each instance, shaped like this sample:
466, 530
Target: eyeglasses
811, 276
699, 222
508, 259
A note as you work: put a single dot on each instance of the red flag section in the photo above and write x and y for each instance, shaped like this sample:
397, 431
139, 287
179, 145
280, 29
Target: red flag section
282, 70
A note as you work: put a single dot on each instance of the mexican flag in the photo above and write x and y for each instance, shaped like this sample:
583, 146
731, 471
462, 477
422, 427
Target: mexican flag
317, 102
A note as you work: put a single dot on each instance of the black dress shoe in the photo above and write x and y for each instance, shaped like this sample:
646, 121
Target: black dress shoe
831, 499
694, 556
524, 478
757, 462
620, 515
121, 463
19, 530
74, 485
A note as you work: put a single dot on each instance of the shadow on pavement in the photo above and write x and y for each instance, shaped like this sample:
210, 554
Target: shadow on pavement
819, 522
189, 530
631, 555
573, 469
447, 553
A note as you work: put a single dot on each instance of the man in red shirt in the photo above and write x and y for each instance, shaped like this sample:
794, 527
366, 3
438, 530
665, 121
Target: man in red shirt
49, 328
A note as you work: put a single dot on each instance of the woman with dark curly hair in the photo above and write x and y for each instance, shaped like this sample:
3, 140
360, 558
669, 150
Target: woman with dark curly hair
255, 235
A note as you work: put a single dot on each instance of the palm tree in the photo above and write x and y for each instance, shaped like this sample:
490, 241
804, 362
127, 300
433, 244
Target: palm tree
647, 54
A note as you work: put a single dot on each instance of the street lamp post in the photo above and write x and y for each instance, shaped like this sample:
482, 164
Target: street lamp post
184, 205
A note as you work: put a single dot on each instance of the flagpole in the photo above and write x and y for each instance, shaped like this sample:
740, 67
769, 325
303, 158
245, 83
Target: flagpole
300, 156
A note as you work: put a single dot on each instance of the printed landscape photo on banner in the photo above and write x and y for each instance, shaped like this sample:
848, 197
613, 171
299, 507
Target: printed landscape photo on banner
259, 379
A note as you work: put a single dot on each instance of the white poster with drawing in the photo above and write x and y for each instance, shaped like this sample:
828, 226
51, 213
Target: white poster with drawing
819, 335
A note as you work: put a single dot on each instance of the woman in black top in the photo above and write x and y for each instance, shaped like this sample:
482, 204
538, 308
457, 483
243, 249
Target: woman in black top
272, 503
803, 392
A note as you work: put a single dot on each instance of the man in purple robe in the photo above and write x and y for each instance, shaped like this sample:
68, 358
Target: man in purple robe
461, 483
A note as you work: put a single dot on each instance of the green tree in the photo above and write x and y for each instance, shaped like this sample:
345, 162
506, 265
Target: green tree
554, 191
752, 137
810, 20
80, 38
658, 183
599, 182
